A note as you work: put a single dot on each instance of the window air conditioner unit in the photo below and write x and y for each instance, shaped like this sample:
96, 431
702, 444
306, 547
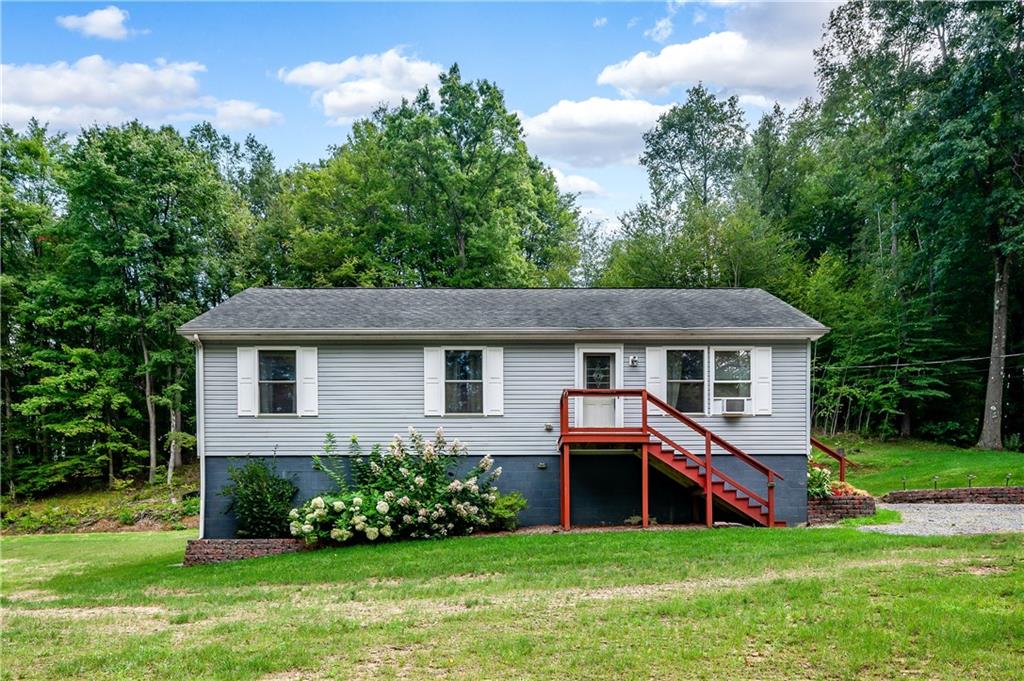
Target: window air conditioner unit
734, 406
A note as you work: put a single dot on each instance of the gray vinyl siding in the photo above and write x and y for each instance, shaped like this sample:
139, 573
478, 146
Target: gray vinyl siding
376, 390
783, 433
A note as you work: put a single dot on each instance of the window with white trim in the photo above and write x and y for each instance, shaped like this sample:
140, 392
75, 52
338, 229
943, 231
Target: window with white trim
277, 384
684, 380
463, 382
731, 374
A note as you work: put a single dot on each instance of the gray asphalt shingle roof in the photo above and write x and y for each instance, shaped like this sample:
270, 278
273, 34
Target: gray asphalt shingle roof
340, 309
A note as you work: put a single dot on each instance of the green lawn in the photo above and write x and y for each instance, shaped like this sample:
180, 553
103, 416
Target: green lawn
740, 603
880, 467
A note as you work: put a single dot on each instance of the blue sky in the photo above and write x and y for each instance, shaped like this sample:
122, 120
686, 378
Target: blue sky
586, 78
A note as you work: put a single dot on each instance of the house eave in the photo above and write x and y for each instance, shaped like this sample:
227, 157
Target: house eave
650, 334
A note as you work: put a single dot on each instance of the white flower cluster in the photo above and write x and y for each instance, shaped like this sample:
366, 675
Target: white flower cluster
404, 490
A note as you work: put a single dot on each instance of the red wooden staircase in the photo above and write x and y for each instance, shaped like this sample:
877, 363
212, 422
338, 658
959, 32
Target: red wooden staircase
663, 453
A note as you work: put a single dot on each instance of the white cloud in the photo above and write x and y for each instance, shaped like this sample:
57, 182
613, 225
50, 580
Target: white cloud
600, 22
726, 59
593, 132
355, 87
232, 114
633, 21
97, 90
765, 52
606, 219
108, 23
661, 31
577, 184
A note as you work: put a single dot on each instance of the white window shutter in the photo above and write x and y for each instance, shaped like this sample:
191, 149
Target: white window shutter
433, 382
306, 371
761, 369
655, 366
494, 381
246, 363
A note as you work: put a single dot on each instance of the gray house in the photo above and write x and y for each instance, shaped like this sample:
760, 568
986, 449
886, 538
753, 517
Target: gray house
600, 404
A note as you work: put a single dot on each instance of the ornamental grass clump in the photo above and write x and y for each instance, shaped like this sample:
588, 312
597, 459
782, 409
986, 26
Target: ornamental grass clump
405, 491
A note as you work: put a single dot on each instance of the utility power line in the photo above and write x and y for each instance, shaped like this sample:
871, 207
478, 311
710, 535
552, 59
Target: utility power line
911, 365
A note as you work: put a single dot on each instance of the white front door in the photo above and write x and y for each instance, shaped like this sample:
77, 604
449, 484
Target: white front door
598, 372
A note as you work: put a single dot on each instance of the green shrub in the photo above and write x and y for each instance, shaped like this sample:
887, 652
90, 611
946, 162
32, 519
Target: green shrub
407, 491
330, 464
190, 506
260, 499
819, 482
505, 513
126, 517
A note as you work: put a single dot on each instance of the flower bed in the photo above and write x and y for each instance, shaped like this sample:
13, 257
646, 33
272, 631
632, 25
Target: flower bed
830, 500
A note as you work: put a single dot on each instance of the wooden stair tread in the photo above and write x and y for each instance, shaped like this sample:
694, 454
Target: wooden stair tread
722, 491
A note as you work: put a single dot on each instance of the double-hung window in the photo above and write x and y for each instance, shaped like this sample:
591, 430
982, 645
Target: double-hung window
463, 382
684, 380
277, 385
732, 374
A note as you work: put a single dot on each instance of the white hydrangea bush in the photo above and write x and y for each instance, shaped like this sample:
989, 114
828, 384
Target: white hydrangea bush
408, 490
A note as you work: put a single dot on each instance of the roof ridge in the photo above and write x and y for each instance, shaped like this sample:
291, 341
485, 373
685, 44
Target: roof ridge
502, 288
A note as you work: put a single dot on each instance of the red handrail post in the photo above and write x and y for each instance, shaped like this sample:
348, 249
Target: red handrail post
643, 411
708, 491
644, 488
771, 500
565, 487
842, 466
564, 413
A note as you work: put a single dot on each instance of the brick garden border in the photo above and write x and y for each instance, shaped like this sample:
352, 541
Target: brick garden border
206, 551
832, 509
958, 495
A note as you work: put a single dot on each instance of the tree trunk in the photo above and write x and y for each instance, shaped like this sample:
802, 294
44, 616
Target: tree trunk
992, 419
8, 440
177, 429
110, 454
174, 458
150, 411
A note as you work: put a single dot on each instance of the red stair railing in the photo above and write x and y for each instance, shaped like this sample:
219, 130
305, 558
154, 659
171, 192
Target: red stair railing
709, 436
838, 456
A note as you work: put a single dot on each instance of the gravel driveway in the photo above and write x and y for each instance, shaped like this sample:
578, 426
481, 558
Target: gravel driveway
938, 519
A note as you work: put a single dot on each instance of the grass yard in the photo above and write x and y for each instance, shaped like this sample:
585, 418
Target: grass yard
880, 467
729, 603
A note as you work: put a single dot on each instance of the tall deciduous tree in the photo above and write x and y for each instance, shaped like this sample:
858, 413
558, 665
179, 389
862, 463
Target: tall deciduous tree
144, 211
695, 150
941, 81
432, 192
